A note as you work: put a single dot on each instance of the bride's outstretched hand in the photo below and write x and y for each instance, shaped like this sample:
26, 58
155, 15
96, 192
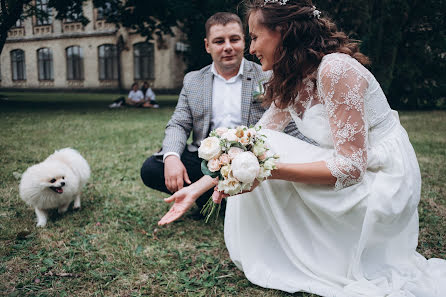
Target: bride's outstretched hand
183, 200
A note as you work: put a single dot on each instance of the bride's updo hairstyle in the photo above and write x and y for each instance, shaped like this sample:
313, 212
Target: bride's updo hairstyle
307, 36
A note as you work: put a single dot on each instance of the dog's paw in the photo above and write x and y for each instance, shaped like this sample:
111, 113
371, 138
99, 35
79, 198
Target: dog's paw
77, 204
41, 224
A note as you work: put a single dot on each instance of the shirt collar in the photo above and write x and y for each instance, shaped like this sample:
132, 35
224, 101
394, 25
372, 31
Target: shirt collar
240, 72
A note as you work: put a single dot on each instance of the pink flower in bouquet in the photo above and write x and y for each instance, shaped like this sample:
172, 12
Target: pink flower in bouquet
225, 159
221, 130
262, 157
214, 164
234, 151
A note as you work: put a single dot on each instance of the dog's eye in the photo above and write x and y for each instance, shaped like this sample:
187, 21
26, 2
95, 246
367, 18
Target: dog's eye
63, 177
53, 180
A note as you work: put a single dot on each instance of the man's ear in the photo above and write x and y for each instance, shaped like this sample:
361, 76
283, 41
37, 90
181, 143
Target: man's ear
206, 45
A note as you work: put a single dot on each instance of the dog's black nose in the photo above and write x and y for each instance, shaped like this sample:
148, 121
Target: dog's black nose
62, 184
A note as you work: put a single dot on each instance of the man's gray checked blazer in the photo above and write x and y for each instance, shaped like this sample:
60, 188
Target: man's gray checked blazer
194, 108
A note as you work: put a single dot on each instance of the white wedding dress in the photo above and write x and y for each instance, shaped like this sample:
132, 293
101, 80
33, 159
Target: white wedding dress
357, 238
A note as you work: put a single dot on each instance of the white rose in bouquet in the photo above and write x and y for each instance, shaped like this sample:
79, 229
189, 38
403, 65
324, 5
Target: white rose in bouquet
230, 135
225, 171
230, 186
209, 148
263, 173
270, 164
245, 167
259, 149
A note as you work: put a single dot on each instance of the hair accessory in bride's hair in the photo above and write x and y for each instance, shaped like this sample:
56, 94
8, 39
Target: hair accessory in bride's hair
316, 13
281, 2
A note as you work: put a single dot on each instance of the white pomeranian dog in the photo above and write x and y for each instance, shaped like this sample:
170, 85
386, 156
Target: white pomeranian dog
55, 183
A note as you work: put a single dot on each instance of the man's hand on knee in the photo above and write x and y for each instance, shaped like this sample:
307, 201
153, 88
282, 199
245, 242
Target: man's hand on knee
175, 173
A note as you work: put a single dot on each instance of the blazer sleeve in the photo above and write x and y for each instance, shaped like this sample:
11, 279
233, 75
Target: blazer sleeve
180, 125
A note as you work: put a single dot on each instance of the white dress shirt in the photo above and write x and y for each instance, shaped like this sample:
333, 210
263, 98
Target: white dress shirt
226, 102
136, 96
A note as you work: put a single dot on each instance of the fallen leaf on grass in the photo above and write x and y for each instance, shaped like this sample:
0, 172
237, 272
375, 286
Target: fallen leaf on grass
60, 274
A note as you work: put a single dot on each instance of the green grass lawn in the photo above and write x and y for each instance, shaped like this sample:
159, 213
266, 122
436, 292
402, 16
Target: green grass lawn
112, 246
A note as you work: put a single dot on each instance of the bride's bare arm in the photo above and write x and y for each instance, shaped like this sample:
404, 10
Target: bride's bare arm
309, 173
185, 198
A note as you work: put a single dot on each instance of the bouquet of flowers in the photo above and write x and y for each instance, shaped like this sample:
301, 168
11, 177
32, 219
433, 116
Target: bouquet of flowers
237, 157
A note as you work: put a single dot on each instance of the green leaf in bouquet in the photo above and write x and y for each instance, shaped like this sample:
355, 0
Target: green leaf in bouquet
206, 171
238, 144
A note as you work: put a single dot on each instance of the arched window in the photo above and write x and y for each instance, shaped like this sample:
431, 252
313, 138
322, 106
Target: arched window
143, 60
44, 18
75, 63
45, 64
108, 62
18, 65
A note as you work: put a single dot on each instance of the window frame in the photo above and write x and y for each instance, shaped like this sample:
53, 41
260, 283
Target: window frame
75, 63
147, 57
45, 66
43, 5
108, 63
16, 64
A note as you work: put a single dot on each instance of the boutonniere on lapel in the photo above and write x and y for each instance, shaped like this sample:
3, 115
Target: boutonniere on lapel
259, 92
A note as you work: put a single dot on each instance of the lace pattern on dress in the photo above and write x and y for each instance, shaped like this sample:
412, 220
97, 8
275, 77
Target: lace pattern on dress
274, 118
342, 90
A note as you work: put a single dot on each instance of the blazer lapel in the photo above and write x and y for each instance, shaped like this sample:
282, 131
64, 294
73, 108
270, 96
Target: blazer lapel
207, 102
247, 83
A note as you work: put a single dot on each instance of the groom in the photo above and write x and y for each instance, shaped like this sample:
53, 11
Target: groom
218, 95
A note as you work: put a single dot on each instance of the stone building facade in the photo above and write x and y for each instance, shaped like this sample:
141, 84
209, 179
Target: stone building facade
53, 54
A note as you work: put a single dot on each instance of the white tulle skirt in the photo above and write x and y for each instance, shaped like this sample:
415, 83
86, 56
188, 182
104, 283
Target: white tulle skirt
358, 241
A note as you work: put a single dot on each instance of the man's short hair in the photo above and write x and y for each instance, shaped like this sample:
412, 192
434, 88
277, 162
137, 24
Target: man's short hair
222, 18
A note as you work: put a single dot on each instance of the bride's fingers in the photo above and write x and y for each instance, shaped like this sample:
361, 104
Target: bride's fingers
169, 199
171, 216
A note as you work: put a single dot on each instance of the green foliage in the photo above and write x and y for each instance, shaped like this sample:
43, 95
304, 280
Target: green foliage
406, 42
206, 171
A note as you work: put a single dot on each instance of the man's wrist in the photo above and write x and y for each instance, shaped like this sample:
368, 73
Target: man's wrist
168, 154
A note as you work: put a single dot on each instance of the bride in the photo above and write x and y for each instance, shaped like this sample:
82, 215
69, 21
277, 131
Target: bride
339, 219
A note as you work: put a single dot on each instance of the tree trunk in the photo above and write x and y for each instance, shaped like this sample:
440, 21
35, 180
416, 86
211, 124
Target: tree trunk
9, 16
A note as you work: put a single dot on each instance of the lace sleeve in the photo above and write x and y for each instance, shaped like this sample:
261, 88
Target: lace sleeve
342, 88
275, 118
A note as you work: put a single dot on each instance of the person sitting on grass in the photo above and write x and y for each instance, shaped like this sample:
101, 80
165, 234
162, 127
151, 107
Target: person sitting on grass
136, 98
149, 95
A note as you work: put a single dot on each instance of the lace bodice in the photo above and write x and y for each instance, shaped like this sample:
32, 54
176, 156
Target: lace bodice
353, 103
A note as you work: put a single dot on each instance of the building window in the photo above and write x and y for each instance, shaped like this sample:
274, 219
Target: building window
45, 64
75, 63
143, 60
18, 65
44, 15
108, 62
